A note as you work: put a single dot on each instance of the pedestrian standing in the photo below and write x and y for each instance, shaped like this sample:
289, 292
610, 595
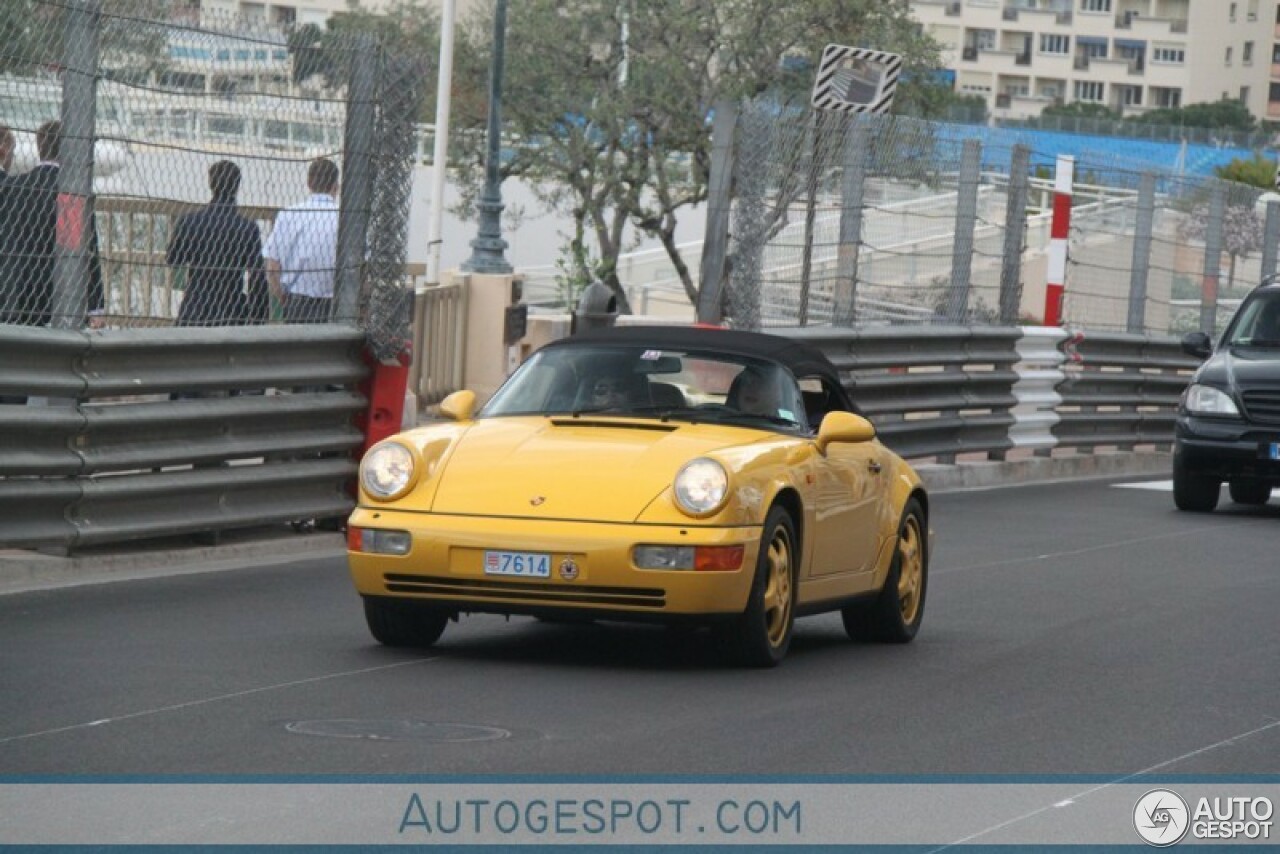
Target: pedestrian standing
30, 234
220, 248
301, 251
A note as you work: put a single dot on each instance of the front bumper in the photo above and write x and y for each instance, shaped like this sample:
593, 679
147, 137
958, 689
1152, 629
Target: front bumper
1226, 449
445, 566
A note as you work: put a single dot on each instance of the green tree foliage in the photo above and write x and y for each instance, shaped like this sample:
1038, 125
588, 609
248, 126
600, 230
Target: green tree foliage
324, 55
1081, 110
32, 34
1258, 171
616, 130
1219, 114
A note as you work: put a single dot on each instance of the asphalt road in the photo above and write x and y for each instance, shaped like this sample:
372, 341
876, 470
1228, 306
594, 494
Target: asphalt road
1077, 628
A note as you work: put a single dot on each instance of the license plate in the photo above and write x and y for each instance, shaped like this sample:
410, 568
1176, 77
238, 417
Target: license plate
520, 564
1273, 452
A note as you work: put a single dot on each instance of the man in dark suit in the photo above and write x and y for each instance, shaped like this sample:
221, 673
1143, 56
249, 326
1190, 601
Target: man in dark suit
7, 143
29, 235
218, 246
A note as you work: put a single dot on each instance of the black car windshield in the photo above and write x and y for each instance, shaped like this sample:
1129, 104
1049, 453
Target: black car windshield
1258, 324
652, 383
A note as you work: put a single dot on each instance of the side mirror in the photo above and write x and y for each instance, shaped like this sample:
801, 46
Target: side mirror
459, 406
1197, 344
844, 427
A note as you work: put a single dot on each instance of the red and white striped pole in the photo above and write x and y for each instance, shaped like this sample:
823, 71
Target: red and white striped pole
1059, 237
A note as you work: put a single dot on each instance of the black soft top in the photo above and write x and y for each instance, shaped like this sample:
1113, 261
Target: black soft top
801, 359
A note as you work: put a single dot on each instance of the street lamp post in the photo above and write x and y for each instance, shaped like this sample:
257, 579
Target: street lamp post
488, 247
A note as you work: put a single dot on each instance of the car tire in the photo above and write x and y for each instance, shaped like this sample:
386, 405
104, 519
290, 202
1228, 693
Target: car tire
1192, 492
761, 635
894, 616
404, 624
1250, 492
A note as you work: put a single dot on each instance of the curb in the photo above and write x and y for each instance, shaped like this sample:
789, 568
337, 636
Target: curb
965, 476
26, 571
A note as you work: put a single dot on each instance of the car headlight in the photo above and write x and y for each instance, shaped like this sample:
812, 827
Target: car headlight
701, 487
388, 471
1207, 400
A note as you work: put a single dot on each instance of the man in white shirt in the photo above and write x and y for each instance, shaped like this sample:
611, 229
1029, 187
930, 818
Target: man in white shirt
301, 253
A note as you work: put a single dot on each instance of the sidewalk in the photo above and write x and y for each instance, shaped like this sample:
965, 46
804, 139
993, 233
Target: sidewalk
22, 571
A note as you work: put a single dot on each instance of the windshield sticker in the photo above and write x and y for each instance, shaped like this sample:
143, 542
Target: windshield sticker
651, 355
787, 414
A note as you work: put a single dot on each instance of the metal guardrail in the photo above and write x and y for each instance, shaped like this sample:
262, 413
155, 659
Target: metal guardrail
937, 391
1121, 390
261, 430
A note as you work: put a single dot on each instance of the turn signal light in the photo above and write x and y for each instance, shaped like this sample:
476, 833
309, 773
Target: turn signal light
717, 558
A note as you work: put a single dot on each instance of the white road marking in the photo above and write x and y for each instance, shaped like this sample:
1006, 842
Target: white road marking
1153, 485
219, 698
1118, 781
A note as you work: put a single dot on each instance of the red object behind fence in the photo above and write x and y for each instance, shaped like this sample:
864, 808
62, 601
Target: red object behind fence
384, 388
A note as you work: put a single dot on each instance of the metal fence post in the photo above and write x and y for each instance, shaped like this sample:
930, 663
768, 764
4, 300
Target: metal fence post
966, 220
75, 230
1212, 259
1015, 224
1141, 267
810, 213
719, 201
857, 147
1270, 240
357, 179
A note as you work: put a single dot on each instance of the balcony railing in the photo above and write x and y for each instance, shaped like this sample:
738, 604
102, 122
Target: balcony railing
953, 10
969, 54
1023, 58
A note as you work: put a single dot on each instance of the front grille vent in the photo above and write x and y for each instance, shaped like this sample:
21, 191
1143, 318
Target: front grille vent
530, 592
1263, 405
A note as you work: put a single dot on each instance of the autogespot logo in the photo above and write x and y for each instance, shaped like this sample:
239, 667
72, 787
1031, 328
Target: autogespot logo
1161, 818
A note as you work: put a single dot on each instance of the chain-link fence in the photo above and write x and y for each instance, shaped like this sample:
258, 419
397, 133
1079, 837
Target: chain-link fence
169, 170
889, 220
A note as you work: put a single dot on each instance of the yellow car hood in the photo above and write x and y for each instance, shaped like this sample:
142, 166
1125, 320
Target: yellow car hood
596, 469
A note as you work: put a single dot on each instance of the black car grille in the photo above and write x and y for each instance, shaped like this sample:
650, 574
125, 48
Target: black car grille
531, 592
1263, 405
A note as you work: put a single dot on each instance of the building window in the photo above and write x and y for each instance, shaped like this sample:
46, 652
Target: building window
1092, 49
1166, 98
1089, 90
1055, 44
1244, 94
1131, 96
1274, 94
1095, 5
1171, 55
1229, 52
1231, 16
1246, 56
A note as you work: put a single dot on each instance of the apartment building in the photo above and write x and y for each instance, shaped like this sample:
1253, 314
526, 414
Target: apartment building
299, 12
1129, 55
225, 64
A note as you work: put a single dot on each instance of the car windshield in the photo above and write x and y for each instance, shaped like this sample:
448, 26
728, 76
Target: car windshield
1258, 324
653, 383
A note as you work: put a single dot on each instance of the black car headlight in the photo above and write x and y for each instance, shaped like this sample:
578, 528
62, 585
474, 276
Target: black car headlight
1207, 400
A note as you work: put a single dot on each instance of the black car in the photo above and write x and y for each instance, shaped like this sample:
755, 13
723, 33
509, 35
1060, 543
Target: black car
1229, 417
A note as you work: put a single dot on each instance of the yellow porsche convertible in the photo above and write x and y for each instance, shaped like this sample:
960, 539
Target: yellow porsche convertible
648, 473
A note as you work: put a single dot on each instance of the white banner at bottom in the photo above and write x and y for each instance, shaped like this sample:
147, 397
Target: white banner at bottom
617, 811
